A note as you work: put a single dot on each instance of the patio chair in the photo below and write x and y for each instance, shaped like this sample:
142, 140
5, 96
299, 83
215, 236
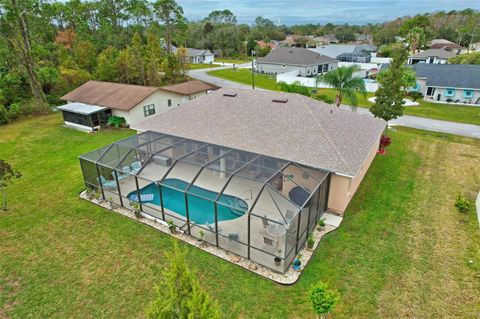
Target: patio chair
265, 221
126, 169
120, 176
107, 184
136, 167
234, 236
269, 241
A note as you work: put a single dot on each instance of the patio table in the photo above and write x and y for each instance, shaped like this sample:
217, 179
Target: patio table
276, 230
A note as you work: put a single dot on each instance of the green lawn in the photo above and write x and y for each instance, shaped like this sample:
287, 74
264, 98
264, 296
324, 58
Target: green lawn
192, 66
402, 250
236, 61
447, 112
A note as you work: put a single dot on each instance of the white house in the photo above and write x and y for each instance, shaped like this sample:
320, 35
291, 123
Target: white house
199, 56
432, 56
91, 104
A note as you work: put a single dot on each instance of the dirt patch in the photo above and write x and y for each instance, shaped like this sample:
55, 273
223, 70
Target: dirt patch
8, 291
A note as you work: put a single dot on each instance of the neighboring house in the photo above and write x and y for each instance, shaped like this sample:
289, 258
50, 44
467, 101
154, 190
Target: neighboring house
475, 46
456, 83
272, 44
447, 45
360, 53
363, 38
433, 56
325, 39
291, 40
306, 63
199, 56
91, 104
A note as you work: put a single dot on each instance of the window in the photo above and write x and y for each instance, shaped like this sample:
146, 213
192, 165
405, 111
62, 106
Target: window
283, 66
449, 92
149, 110
169, 102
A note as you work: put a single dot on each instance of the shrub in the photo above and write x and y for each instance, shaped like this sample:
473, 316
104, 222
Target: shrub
462, 204
3, 115
321, 222
310, 241
323, 299
385, 141
117, 121
325, 98
415, 95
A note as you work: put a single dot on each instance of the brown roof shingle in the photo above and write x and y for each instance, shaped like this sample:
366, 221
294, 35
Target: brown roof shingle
303, 130
189, 87
108, 94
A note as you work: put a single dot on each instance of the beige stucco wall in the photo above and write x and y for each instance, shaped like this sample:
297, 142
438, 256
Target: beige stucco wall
160, 100
342, 188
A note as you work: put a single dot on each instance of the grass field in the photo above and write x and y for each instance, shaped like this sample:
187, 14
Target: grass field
402, 250
446, 112
202, 66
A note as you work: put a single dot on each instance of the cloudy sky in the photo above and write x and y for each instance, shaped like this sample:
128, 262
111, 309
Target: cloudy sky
321, 11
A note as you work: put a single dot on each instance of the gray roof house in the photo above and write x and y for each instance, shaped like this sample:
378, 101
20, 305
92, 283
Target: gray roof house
199, 56
456, 83
360, 53
255, 183
301, 61
434, 56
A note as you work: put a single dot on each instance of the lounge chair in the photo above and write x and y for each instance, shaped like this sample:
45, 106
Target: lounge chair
107, 184
234, 236
143, 197
126, 169
120, 176
136, 166
269, 241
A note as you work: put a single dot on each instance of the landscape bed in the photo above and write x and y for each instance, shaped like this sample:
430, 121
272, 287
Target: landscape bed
401, 251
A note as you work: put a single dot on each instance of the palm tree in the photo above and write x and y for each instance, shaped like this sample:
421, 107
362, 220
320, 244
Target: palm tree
343, 81
416, 39
295, 87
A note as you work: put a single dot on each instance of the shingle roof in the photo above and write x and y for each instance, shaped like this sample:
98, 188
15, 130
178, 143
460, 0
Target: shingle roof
295, 56
113, 95
189, 87
465, 76
439, 53
197, 52
303, 130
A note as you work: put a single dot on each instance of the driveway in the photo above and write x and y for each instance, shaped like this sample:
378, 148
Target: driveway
421, 123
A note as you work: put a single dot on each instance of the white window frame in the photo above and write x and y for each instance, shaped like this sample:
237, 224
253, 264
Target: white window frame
148, 110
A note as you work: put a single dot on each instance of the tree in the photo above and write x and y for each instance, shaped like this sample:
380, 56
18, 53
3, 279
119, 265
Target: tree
416, 39
85, 54
7, 174
342, 79
107, 65
221, 17
469, 58
48, 77
389, 96
171, 14
323, 299
295, 87
180, 295
16, 15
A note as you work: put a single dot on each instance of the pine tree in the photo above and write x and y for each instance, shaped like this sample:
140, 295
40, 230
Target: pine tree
180, 294
389, 97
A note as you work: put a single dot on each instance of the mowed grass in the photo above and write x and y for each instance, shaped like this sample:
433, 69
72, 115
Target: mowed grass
446, 112
402, 250
197, 66
236, 61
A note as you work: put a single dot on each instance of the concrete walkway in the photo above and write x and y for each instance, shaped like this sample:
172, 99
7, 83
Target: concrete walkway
421, 123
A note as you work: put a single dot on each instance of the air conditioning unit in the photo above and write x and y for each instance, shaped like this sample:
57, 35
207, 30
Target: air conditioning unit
162, 160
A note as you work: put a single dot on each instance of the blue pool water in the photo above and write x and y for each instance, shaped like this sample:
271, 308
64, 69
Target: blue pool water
200, 210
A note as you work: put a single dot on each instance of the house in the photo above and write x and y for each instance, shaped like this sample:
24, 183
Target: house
359, 53
474, 47
456, 83
293, 40
447, 45
434, 56
363, 38
272, 44
199, 56
247, 171
91, 104
301, 61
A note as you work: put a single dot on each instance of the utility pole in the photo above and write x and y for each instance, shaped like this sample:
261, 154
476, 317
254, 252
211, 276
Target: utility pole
253, 70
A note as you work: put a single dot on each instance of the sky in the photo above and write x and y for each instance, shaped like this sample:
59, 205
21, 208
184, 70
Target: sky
320, 11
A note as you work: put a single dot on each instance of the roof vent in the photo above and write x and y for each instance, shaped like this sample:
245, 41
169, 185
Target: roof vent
280, 100
230, 94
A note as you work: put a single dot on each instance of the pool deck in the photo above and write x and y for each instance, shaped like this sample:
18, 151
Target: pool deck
288, 278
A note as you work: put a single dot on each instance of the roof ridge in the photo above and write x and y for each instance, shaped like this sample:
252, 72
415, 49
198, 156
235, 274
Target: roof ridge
326, 135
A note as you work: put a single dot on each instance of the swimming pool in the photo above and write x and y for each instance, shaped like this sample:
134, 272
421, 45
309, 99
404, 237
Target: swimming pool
200, 210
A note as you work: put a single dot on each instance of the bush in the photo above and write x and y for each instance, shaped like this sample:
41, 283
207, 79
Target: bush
117, 121
323, 300
310, 242
415, 95
325, 98
462, 204
3, 115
